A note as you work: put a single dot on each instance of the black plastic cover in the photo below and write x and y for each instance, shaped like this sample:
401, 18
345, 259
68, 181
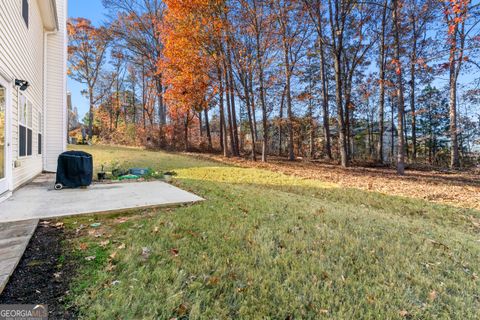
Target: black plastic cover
75, 169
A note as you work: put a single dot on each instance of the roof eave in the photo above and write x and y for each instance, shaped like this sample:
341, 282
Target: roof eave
48, 10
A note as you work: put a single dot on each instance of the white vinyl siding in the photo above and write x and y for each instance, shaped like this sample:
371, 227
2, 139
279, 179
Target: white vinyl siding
55, 135
21, 57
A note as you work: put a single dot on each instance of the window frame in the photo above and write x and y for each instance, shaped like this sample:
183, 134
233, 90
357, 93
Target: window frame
25, 120
39, 133
26, 12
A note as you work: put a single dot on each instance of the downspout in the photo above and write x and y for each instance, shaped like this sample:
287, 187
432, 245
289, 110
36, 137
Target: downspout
64, 62
44, 129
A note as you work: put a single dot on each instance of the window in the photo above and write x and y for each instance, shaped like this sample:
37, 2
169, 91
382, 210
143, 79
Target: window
40, 130
25, 134
25, 11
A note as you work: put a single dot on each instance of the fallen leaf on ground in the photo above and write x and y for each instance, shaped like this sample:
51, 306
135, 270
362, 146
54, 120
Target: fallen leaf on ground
83, 246
433, 185
174, 252
110, 267
90, 258
432, 295
104, 243
121, 220
213, 280
403, 313
182, 309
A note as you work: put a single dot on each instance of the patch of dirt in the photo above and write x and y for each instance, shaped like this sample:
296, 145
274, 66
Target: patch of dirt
457, 188
43, 274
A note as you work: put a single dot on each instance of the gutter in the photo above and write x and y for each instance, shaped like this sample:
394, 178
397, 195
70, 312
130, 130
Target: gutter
53, 4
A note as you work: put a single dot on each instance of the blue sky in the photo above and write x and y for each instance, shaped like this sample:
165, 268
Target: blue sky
93, 10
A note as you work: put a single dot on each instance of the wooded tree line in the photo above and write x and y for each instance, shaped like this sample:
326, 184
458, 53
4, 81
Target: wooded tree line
389, 81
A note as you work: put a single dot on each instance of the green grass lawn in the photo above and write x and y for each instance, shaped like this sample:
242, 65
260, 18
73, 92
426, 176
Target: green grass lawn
267, 245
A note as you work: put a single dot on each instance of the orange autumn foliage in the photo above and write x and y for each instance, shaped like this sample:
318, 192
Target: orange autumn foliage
190, 30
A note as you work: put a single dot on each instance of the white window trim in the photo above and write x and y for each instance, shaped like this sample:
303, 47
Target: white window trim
27, 24
20, 108
6, 83
39, 132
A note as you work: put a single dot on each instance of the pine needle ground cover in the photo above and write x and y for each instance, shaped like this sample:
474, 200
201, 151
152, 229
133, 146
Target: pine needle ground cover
269, 245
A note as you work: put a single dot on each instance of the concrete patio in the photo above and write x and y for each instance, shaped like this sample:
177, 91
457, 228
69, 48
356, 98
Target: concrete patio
39, 200
19, 215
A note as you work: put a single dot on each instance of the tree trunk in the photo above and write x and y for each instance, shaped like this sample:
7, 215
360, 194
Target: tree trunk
144, 99
229, 110
317, 17
250, 119
312, 131
90, 113
161, 111
348, 121
405, 133
232, 101
412, 96
134, 106
207, 129
252, 103
280, 122
223, 129
283, 21
381, 111
186, 132
342, 141
392, 133
326, 112
259, 58
222, 138
400, 97
337, 20
430, 142
454, 155
291, 155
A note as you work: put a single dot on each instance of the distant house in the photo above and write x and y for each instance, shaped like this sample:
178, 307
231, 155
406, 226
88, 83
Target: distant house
33, 118
367, 138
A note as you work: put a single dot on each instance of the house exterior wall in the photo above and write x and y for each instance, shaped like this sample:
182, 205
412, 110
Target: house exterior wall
21, 56
56, 91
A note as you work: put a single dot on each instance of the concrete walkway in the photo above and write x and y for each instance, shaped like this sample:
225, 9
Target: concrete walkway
19, 214
14, 238
38, 200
